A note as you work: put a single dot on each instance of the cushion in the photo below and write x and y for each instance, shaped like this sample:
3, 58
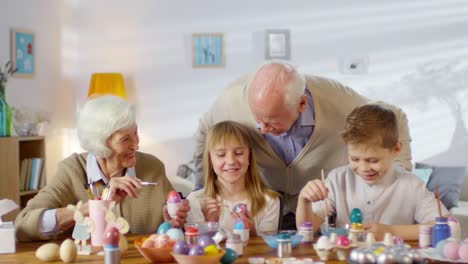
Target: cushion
448, 179
424, 174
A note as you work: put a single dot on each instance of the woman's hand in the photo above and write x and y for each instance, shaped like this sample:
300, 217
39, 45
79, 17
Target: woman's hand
64, 216
181, 214
211, 209
313, 191
120, 187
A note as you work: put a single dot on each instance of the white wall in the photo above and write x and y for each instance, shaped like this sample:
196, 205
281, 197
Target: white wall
149, 42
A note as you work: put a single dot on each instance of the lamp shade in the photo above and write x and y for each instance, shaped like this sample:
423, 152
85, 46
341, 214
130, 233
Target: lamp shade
107, 83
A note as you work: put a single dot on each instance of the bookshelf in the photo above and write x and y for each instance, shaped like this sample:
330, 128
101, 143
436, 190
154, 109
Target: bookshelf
13, 150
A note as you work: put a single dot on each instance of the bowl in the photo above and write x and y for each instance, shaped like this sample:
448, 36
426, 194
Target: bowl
205, 228
270, 238
186, 259
156, 255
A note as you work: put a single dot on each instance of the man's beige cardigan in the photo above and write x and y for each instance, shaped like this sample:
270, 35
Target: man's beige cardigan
144, 214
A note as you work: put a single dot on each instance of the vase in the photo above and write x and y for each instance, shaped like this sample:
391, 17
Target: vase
5, 117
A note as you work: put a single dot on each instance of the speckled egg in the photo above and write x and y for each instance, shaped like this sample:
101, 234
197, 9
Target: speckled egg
323, 243
204, 241
181, 247
196, 251
450, 250
342, 241
463, 251
175, 234
240, 208
164, 227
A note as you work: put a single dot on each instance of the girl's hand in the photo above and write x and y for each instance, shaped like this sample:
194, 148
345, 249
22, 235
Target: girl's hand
120, 187
181, 214
313, 191
248, 218
211, 209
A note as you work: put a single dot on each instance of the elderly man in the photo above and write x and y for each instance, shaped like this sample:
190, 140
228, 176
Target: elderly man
295, 122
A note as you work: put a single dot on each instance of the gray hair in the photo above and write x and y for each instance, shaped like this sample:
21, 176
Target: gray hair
294, 88
99, 119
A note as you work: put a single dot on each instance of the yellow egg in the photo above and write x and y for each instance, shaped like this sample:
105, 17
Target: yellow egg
123, 244
211, 250
68, 251
48, 252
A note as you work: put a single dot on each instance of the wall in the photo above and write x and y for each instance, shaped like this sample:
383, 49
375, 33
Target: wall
149, 42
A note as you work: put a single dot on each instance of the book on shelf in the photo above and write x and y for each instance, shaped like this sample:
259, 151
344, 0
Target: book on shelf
32, 175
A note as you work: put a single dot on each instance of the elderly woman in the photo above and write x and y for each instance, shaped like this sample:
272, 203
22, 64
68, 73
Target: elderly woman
108, 131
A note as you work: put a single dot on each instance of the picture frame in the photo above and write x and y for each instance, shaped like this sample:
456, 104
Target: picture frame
207, 50
23, 53
277, 44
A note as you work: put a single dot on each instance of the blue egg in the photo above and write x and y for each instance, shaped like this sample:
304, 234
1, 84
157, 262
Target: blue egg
355, 216
175, 234
163, 227
229, 257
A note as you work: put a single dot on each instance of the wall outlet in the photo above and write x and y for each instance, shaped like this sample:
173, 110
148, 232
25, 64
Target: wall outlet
354, 65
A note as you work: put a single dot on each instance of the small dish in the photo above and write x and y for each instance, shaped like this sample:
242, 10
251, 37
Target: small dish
210, 259
270, 238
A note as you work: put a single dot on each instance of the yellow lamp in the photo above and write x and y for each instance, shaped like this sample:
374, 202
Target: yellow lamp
106, 83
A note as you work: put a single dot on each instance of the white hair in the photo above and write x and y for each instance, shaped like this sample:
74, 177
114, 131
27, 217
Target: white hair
99, 119
294, 89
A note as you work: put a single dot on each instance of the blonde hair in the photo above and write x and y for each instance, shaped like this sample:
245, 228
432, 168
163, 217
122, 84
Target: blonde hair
229, 131
371, 125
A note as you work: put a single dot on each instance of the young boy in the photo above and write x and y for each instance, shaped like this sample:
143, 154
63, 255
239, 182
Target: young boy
391, 199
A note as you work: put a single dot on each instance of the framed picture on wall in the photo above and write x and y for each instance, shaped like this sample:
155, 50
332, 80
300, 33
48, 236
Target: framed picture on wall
207, 50
277, 44
23, 53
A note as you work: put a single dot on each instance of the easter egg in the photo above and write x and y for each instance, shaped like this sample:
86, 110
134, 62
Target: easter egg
68, 251
450, 250
463, 251
148, 243
205, 241
48, 252
173, 197
111, 236
229, 257
440, 246
355, 216
342, 241
175, 234
196, 251
163, 227
240, 208
241, 224
181, 247
323, 243
161, 241
211, 250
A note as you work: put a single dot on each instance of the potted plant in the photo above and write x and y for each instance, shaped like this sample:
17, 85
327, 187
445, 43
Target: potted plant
5, 111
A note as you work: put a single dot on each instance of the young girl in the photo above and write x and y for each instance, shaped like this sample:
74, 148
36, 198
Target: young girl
231, 177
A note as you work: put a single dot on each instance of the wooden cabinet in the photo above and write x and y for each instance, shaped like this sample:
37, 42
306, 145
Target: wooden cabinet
12, 151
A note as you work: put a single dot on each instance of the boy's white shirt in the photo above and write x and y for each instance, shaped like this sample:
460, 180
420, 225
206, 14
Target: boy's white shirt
399, 198
266, 220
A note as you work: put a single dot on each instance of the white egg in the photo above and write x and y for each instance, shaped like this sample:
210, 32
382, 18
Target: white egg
68, 251
323, 243
48, 252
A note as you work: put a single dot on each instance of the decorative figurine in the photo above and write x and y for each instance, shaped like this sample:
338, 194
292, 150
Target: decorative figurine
81, 232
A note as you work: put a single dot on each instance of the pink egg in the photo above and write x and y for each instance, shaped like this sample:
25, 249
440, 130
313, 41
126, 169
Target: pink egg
240, 208
342, 241
161, 241
450, 250
463, 251
173, 197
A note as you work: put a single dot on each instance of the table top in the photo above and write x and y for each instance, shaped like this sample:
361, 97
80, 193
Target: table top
25, 253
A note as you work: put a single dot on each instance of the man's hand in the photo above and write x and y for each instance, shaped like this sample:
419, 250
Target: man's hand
181, 214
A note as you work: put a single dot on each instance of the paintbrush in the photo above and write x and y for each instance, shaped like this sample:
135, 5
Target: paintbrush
145, 183
436, 191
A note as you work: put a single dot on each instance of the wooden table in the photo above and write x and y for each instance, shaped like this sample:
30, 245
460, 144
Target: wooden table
25, 253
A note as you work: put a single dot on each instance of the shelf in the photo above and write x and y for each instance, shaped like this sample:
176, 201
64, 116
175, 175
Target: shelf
30, 138
24, 193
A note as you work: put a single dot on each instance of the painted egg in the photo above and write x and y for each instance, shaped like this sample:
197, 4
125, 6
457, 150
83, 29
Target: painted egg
196, 251
463, 251
204, 241
175, 234
181, 247
229, 257
148, 243
173, 197
323, 243
111, 236
240, 208
161, 241
241, 224
342, 241
68, 251
355, 216
211, 250
398, 240
163, 227
450, 250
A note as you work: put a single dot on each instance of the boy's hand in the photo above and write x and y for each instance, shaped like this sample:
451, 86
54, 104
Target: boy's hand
211, 209
313, 191
379, 230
